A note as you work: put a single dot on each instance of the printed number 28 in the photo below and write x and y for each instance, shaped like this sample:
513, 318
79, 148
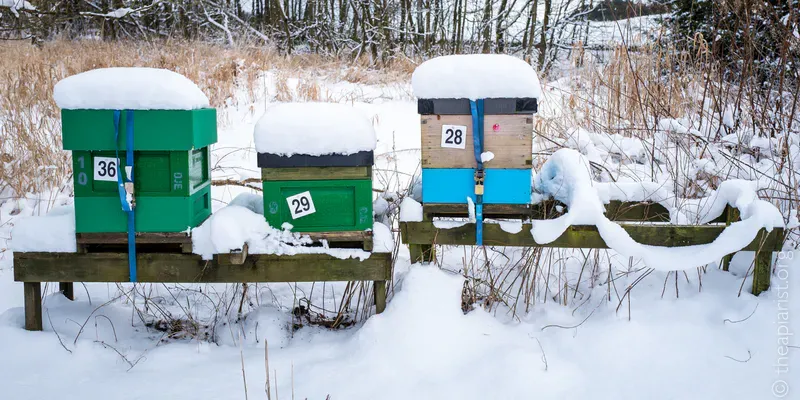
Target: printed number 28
453, 136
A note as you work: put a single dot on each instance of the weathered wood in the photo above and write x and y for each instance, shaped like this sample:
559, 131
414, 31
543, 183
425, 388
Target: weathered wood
141, 238
178, 267
344, 239
762, 272
33, 306
379, 292
579, 236
549, 209
67, 289
315, 173
511, 144
238, 257
731, 215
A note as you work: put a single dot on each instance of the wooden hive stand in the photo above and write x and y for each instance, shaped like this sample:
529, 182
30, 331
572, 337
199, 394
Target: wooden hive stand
645, 222
167, 258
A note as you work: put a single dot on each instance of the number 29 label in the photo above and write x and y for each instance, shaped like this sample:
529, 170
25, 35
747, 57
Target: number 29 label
454, 136
301, 205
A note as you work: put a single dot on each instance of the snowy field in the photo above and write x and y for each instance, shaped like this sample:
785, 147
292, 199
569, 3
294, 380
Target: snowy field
696, 335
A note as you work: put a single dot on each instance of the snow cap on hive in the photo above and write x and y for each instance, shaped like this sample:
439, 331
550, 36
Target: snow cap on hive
314, 129
129, 89
475, 76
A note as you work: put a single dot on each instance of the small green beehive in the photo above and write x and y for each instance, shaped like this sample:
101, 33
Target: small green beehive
170, 148
316, 166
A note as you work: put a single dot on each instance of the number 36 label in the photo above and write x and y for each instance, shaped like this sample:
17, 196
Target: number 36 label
301, 205
105, 169
454, 136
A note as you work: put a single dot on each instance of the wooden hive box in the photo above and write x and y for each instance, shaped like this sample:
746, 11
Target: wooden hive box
171, 168
316, 167
448, 156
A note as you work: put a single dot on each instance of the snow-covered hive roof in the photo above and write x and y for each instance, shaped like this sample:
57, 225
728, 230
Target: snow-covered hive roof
129, 89
313, 129
475, 76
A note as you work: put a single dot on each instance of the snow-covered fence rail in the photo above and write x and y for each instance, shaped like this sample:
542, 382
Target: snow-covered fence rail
647, 223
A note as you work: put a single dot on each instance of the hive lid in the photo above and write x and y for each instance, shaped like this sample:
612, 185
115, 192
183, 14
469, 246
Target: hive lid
475, 76
314, 129
129, 89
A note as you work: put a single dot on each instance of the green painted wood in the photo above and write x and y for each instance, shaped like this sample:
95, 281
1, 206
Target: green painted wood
579, 236
341, 205
33, 306
379, 292
156, 173
153, 213
188, 268
315, 173
154, 130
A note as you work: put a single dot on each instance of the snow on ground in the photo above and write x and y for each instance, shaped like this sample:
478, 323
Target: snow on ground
700, 340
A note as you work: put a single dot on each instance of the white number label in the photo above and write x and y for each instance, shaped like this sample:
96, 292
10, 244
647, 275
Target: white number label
454, 136
105, 169
301, 205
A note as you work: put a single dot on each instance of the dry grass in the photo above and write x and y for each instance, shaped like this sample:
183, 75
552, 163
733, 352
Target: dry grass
30, 138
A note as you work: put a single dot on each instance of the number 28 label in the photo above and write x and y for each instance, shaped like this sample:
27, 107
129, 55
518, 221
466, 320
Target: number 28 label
301, 205
454, 136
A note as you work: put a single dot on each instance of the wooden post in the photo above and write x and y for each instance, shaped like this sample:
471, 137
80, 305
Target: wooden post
33, 306
67, 288
379, 292
732, 215
762, 271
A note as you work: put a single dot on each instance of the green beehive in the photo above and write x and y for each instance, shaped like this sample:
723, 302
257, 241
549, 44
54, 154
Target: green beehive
171, 168
172, 128
316, 167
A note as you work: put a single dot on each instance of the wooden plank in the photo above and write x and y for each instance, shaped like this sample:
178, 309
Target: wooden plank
580, 236
315, 173
762, 272
615, 211
731, 215
33, 306
379, 293
141, 238
511, 144
177, 267
67, 289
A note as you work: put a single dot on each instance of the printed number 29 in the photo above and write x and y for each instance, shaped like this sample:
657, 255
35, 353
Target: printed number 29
301, 205
453, 136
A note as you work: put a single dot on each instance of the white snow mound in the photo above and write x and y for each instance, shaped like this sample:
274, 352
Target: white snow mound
475, 76
314, 129
53, 232
129, 89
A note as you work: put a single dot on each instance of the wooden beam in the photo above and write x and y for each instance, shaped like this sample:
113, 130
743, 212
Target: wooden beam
580, 236
178, 267
379, 293
762, 272
549, 209
141, 238
315, 173
33, 306
67, 289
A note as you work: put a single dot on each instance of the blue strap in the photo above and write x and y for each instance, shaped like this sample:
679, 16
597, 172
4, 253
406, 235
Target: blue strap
127, 204
476, 108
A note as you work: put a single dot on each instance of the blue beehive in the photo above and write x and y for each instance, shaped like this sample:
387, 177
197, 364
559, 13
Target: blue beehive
500, 103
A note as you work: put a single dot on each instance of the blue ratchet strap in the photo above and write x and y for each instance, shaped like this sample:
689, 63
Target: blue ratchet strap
476, 108
126, 202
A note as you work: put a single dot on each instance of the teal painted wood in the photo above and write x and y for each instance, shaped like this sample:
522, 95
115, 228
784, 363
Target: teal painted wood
502, 186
